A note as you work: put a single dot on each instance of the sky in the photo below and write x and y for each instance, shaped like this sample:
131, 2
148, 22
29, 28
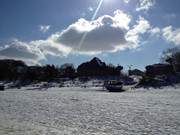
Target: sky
126, 32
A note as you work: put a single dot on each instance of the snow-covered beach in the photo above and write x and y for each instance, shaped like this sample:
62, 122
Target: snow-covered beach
89, 111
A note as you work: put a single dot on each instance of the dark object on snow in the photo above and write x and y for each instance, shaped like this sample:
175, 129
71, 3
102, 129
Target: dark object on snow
114, 86
159, 69
1, 87
152, 82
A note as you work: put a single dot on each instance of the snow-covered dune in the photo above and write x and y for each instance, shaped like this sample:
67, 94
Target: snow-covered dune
78, 111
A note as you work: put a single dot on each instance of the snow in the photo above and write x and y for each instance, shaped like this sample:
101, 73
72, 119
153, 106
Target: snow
89, 111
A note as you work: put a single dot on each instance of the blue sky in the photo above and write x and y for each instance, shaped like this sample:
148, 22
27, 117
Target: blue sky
126, 32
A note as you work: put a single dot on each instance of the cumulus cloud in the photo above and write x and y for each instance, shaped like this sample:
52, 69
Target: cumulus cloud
145, 5
171, 35
44, 28
140, 28
33, 52
21, 51
155, 32
105, 34
49, 47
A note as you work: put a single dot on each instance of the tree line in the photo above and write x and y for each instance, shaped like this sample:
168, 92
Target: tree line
18, 70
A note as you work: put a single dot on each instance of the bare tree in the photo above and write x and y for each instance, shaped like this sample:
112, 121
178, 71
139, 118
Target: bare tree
171, 56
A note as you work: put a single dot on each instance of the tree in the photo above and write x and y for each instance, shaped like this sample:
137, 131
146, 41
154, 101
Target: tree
50, 71
68, 70
96, 67
171, 56
11, 69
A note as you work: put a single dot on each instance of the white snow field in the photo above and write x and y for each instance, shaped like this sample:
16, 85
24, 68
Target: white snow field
78, 111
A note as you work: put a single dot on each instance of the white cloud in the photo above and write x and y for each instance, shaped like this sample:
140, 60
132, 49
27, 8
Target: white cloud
90, 9
49, 47
121, 19
33, 52
21, 51
126, 1
145, 5
171, 35
44, 28
156, 31
105, 34
141, 27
